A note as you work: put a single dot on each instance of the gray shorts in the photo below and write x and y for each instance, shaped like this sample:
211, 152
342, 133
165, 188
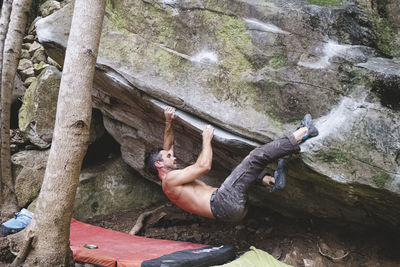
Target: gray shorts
228, 203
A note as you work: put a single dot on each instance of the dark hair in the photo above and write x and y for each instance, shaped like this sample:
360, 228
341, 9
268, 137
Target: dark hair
151, 157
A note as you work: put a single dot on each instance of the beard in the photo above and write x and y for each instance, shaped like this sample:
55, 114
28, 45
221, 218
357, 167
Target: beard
171, 167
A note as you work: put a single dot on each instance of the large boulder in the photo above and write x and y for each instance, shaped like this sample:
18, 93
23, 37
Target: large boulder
253, 69
38, 111
19, 89
111, 186
28, 169
49, 7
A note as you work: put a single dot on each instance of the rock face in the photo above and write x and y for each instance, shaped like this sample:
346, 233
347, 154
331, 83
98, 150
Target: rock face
28, 168
38, 112
253, 69
111, 186
49, 7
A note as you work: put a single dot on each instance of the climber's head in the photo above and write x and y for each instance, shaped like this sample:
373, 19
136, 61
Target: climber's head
160, 160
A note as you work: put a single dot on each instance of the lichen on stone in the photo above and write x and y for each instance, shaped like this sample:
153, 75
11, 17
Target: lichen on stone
384, 26
40, 101
386, 34
28, 102
380, 179
335, 156
278, 60
112, 14
325, 2
234, 44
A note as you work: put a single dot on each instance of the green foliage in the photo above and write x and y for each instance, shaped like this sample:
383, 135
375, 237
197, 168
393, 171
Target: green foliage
114, 16
109, 5
277, 61
334, 156
355, 77
325, 2
381, 6
386, 33
369, 83
380, 179
384, 28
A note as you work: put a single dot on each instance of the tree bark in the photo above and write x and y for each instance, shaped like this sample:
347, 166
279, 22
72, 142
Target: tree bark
51, 222
12, 50
4, 22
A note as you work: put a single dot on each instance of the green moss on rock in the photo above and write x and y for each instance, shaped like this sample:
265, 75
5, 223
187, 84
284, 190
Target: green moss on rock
334, 156
325, 2
40, 102
114, 45
152, 21
154, 27
27, 106
117, 20
380, 179
384, 27
234, 44
355, 77
113, 187
167, 62
129, 41
387, 34
277, 61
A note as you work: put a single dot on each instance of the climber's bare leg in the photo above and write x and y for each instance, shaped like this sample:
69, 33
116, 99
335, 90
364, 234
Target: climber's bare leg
268, 181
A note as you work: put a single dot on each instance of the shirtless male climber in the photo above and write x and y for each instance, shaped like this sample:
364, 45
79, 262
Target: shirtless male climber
227, 203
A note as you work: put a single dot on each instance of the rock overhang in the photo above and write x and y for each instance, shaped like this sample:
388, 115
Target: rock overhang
348, 150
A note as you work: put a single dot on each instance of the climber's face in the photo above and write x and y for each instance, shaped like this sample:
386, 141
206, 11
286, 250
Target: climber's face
168, 159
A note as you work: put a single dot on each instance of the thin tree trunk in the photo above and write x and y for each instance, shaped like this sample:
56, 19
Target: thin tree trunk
4, 22
51, 222
12, 50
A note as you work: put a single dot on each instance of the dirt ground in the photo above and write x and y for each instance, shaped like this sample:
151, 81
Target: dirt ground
297, 242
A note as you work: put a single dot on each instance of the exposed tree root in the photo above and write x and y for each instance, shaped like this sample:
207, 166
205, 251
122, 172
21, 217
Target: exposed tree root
27, 246
334, 259
140, 220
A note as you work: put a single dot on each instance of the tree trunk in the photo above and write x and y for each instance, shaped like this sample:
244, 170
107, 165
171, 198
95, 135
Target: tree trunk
12, 50
4, 22
50, 226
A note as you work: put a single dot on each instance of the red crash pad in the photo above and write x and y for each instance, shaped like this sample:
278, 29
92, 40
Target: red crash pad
117, 248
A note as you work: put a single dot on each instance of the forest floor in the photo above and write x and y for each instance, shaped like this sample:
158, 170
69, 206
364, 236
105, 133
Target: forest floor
297, 242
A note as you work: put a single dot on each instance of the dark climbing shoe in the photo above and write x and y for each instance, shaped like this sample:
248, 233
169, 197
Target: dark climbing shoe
280, 176
312, 130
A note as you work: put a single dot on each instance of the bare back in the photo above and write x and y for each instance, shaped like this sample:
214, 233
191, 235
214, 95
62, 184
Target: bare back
193, 197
